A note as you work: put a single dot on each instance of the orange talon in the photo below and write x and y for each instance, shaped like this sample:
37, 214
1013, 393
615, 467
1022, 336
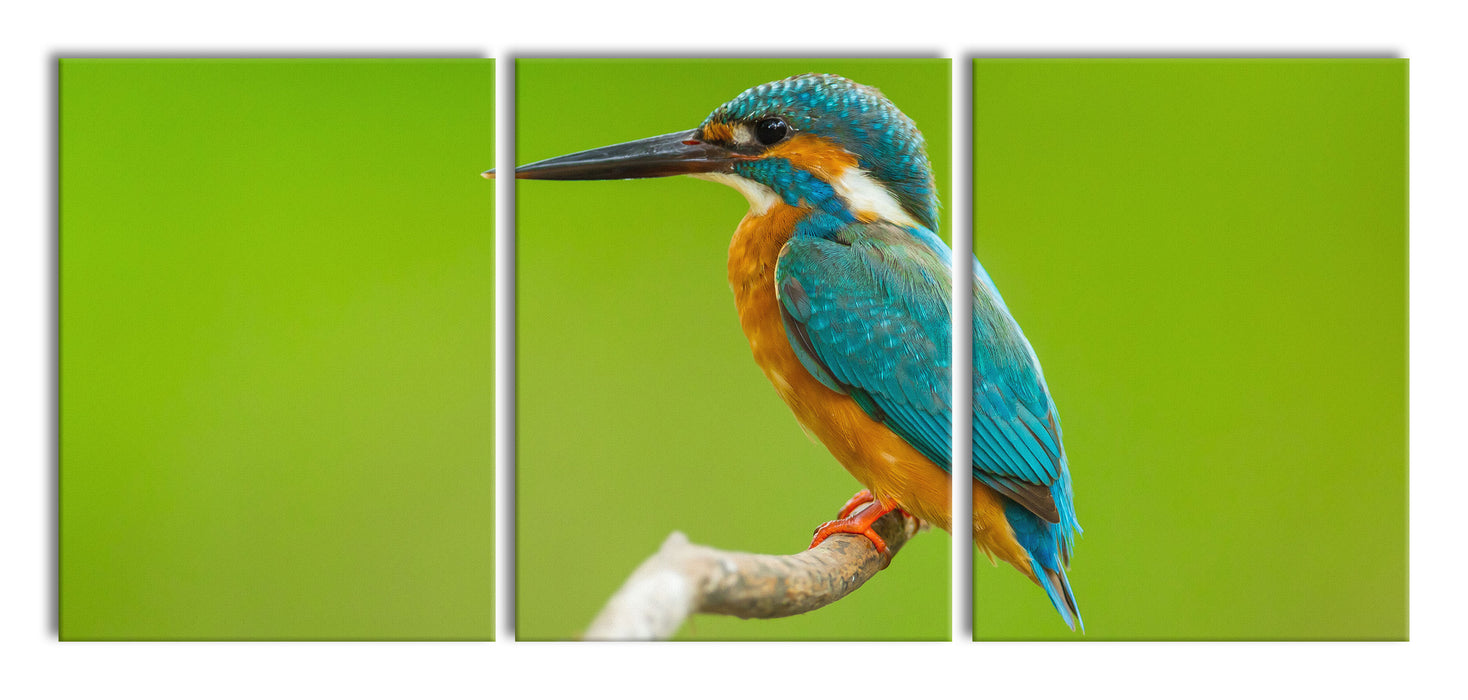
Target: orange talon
858, 522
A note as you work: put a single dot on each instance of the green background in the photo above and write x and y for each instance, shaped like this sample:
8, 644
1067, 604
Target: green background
641, 410
1210, 258
276, 336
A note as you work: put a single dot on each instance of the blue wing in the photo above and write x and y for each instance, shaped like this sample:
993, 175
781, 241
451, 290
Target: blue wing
1017, 438
1017, 445
866, 308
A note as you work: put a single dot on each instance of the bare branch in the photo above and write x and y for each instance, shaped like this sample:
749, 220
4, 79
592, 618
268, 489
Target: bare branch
683, 578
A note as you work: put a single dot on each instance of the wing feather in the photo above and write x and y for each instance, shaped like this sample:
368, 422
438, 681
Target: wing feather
867, 312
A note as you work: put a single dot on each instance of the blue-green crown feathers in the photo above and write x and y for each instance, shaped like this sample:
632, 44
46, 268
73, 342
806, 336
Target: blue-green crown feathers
861, 119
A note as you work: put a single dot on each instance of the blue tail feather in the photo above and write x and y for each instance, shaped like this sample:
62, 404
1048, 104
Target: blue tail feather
1057, 587
1049, 546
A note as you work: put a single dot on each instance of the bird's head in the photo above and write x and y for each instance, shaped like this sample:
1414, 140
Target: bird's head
817, 141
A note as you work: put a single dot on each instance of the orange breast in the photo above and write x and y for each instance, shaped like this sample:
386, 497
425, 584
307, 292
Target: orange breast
896, 473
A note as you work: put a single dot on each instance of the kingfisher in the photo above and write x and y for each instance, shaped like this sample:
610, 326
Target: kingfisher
843, 290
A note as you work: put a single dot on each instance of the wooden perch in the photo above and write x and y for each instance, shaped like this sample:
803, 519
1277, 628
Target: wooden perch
683, 578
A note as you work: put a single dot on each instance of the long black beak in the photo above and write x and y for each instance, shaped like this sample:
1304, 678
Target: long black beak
681, 153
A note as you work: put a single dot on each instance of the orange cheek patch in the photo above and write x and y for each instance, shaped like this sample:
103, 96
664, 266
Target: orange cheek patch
718, 132
813, 153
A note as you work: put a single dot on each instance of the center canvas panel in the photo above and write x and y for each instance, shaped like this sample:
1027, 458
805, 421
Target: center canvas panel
665, 386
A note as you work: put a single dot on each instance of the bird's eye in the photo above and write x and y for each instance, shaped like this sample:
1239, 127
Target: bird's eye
770, 130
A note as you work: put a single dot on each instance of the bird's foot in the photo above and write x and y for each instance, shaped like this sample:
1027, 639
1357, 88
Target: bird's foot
857, 518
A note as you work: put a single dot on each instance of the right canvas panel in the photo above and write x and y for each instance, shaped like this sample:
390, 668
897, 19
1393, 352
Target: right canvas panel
1209, 260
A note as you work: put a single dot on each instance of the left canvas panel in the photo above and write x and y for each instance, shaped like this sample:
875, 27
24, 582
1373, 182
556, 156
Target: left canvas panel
276, 337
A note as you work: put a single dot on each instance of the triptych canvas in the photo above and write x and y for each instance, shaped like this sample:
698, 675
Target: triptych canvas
730, 310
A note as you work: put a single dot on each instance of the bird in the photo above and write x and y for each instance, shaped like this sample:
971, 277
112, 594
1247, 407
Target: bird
843, 289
